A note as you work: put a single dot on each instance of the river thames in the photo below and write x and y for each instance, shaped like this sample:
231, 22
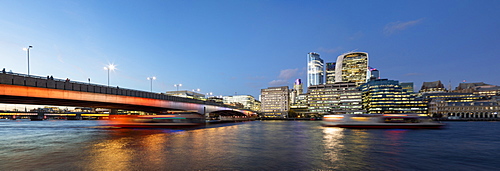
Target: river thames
255, 145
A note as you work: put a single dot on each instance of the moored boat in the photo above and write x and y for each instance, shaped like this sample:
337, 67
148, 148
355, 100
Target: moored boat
404, 121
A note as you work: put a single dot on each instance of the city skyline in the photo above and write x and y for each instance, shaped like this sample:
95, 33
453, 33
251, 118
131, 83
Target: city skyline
238, 47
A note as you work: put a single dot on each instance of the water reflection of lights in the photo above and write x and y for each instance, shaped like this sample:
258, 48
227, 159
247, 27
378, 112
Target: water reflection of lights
395, 136
161, 148
345, 148
110, 155
332, 140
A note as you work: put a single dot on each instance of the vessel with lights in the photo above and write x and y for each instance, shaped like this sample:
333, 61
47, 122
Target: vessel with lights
156, 121
399, 121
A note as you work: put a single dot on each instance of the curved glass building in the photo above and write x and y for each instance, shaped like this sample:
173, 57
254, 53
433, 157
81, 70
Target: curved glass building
352, 67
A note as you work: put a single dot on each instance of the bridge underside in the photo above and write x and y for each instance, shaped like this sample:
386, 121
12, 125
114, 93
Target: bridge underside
228, 113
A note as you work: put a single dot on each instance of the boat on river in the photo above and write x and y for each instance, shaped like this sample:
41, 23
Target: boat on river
403, 121
156, 121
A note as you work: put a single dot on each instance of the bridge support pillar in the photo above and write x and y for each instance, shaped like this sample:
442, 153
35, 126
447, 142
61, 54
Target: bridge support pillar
39, 117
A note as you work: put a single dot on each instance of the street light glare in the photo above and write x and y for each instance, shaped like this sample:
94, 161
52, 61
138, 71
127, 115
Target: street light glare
111, 67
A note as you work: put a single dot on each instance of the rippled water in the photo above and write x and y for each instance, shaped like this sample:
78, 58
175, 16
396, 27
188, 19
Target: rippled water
257, 145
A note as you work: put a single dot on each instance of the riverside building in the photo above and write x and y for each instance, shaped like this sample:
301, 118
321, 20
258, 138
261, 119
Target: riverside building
432, 87
275, 102
315, 70
337, 98
478, 110
436, 100
387, 96
352, 67
248, 101
480, 88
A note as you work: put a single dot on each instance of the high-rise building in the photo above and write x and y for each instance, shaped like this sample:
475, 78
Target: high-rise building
352, 67
330, 72
315, 71
296, 91
275, 102
337, 98
298, 86
374, 73
387, 96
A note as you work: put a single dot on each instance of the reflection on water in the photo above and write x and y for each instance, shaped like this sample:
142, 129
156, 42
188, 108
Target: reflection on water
345, 148
257, 145
332, 140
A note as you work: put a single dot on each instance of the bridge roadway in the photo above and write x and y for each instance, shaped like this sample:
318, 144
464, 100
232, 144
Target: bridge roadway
23, 89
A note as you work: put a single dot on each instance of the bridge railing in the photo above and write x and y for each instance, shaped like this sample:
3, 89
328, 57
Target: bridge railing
54, 83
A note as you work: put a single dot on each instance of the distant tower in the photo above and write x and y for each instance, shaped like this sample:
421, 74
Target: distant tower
352, 67
374, 73
315, 72
330, 72
298, 86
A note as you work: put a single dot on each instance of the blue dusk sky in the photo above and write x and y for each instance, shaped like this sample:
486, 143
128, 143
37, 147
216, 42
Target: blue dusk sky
241, 46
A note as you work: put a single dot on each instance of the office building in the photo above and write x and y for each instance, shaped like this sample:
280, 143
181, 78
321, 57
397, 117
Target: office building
432, 87
275, 102
480, 88
479, 110
408, 87
387, 96
296, 91
330, 72
337, 98
186, 94
352, 67
248, 101
315, 70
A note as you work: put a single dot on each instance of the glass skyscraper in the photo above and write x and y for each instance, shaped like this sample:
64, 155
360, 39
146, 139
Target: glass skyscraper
315, 70
330, 72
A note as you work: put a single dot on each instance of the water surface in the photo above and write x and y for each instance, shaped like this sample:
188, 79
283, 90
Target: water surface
256, 145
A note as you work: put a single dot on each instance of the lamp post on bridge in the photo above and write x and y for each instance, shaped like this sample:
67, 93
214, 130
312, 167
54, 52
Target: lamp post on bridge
111, 67
152, 78
177, 85
28, 50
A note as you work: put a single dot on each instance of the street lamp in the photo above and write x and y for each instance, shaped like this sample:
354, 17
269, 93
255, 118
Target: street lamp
151, 78
28, 50
110, 67
177, 85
